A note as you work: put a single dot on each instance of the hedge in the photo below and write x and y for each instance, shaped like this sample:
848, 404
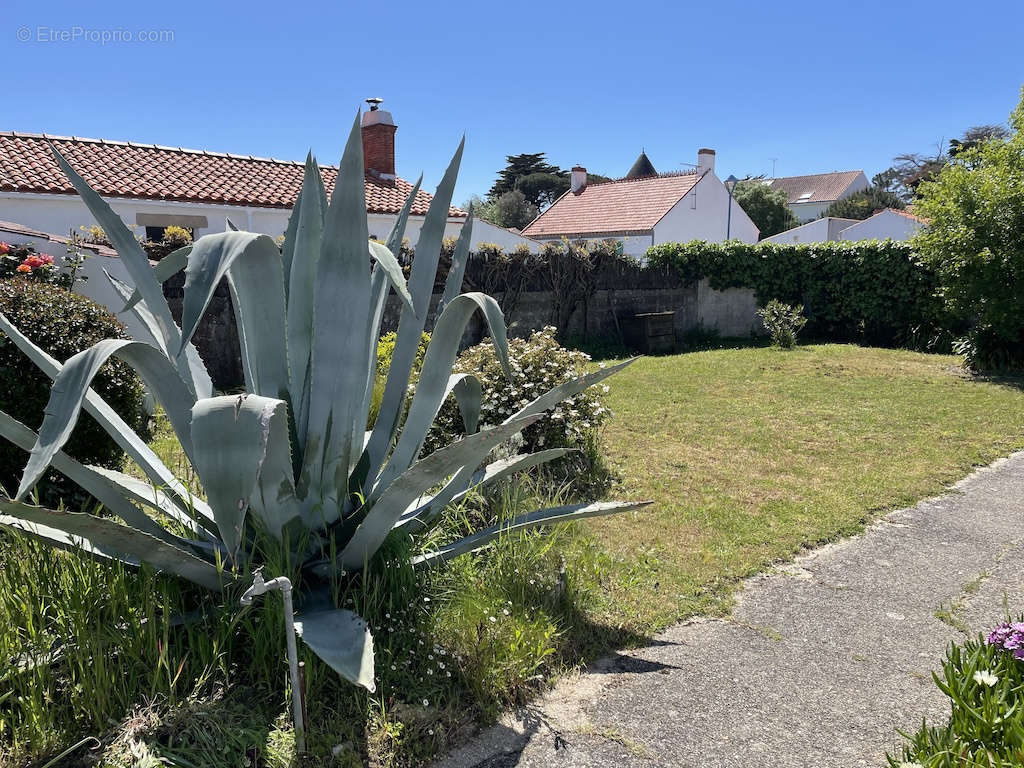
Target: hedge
62, 323
874, 292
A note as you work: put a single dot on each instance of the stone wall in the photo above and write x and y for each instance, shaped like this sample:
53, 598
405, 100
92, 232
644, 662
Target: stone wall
617, 293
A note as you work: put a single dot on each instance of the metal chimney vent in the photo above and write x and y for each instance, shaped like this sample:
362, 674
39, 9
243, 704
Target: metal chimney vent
374, 103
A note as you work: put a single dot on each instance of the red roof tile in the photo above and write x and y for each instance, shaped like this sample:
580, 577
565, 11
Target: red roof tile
821, 187
613, 207
127, 169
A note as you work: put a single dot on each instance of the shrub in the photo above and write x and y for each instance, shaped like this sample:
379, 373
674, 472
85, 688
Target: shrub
538, 363
179, 237
386, 347
974, 242
876, 292
26, 263
61, 323
783, 322
985, 684
862, 204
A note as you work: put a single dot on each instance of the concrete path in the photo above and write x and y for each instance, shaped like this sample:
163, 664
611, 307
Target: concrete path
819, 664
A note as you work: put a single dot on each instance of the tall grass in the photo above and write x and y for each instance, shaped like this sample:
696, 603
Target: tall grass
161, 672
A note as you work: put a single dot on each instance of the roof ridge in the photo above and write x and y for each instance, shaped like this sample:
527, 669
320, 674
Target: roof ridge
807, 175
160, 147
666, 175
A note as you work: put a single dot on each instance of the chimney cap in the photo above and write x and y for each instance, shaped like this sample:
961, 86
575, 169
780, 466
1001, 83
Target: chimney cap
705, 151
374, 102
579, 168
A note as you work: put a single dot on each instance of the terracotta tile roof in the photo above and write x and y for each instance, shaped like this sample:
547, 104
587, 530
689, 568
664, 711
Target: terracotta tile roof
614, 207
821, 187
128, 169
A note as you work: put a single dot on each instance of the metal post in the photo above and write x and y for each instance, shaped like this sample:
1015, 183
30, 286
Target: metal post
730, 185
284, 585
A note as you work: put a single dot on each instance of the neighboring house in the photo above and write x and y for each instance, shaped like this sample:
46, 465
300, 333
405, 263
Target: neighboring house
809, 196
817, 231
646, 208
152, 187
888, 223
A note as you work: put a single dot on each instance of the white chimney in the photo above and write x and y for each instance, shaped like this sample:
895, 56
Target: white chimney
705, 160
578, 179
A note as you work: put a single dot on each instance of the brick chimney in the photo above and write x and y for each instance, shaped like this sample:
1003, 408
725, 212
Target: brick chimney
378, 142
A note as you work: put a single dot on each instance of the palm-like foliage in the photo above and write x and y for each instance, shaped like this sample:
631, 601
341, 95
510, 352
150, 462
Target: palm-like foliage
292, 455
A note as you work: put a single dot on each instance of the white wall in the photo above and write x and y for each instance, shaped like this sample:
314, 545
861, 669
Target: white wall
485, 232
819, 231
881, 226
703, 215
60, 214
632, 245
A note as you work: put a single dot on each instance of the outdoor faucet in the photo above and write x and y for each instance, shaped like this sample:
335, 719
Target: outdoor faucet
284, 585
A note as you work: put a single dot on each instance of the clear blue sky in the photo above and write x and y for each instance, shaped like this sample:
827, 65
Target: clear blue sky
820, 86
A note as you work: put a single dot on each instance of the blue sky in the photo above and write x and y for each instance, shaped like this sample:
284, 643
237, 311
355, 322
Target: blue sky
820, 86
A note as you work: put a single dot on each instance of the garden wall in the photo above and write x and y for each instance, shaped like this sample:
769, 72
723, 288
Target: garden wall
591, 306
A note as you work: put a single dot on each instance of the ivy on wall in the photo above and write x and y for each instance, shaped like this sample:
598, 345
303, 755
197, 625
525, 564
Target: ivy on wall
874, 292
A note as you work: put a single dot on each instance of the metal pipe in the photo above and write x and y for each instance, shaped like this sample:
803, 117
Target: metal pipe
284, 586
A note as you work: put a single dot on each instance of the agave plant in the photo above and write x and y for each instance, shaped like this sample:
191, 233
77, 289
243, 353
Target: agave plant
291, 457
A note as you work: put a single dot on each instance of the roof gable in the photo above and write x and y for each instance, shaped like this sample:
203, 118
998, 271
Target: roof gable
815, 187
153, 172
614, 207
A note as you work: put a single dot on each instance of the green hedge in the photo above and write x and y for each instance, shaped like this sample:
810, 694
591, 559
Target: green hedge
62, 323
874, 292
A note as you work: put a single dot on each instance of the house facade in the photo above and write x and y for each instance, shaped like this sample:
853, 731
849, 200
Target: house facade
886, 224
152, 187
646, 208
810, 196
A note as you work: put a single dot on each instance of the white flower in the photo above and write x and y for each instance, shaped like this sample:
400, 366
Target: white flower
910, 765
985, 677
492, 619
605, 388
426, 703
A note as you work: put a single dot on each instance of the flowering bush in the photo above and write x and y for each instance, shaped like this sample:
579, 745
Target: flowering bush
24, 261
1009, 637
984, 680
538, 364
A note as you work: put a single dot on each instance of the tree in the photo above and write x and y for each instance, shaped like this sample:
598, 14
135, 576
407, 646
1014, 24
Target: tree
862, 204
512, 209
520, 166
975, 242
767, 207
542, 189
482, 209
975, 136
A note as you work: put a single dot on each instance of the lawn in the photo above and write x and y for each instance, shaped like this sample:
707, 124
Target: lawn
750, 455
754, 454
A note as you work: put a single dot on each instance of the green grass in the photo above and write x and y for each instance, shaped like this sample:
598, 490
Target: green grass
752, 455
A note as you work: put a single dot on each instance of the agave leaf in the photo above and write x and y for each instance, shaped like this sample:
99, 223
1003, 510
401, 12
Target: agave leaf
419, 516
301, 289
128, 250
198, 377
165, 269
397, 234
94, 483
288, 246
387, 262
252, 264
523, 522
341, 334
460, 258
100, 410
191, 512
229, 225
61, 540
274, 501
469, 394
431, 470
232, 435
71, 386
343, 641
411, 323
113, 537
433, 384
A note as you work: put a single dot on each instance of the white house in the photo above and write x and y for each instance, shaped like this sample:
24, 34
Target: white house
152, 187
888, 223
646, 208
817, 231
809, 196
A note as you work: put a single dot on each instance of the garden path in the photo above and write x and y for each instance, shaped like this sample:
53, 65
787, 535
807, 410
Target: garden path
818, 664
